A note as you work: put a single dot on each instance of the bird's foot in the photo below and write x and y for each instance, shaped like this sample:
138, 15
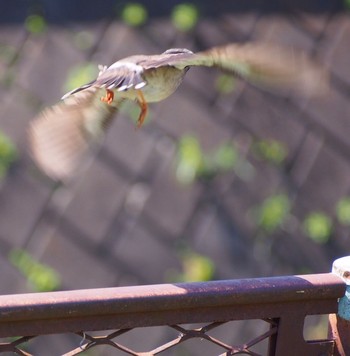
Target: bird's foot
108, 98
144, 109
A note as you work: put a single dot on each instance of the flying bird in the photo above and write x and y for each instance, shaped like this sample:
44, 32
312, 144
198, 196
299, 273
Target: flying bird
60, 135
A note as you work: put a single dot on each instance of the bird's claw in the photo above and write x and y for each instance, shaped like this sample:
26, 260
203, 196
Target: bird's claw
108, 98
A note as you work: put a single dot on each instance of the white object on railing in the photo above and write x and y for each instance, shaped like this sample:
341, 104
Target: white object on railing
341, 267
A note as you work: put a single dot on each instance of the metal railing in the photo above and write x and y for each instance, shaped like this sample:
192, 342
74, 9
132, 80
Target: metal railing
282, 302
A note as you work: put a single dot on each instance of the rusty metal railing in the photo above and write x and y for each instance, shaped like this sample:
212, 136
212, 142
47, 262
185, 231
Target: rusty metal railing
282, 302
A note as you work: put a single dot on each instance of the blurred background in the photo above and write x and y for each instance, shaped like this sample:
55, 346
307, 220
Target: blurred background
223, 181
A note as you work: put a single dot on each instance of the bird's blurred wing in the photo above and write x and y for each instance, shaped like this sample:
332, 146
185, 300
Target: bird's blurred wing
179, 60
61, 134
263, 64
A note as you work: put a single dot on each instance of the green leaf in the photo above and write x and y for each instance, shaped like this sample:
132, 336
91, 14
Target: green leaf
193, 163
196, 267
273, 212
8, 154
39, 276
185, 16
318, 226
226, 157
270, 150
35, 24
189, 160
134, 14
343, 211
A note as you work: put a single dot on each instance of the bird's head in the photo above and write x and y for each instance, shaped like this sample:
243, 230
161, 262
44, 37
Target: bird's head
178, 51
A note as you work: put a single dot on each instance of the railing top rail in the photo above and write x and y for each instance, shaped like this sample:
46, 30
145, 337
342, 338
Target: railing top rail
175, 299
283, 302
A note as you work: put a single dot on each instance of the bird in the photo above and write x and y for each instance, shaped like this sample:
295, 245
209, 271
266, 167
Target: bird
60, 135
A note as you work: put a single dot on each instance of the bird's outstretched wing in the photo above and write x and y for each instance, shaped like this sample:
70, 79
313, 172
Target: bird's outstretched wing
122, 75
263, 64
60, 135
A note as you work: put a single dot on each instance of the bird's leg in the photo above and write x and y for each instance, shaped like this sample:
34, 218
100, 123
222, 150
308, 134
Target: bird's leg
108, 98
144, 108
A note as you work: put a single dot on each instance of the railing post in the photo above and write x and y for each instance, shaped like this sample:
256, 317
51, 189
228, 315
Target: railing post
340, 323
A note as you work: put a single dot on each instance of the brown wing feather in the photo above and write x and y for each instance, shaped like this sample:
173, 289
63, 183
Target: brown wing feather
264, 64
60, 135
179, 60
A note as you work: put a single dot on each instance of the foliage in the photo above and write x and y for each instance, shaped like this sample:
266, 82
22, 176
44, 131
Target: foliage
273, 212
270, 150
185, 16
39, 276
190, 159
225, 157
343, 211
134, 14
195, 268
192, 163
318, 226
35, 24
8, 154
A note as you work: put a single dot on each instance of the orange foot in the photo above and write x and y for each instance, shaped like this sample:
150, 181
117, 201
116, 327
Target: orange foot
144, 108
109, 97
